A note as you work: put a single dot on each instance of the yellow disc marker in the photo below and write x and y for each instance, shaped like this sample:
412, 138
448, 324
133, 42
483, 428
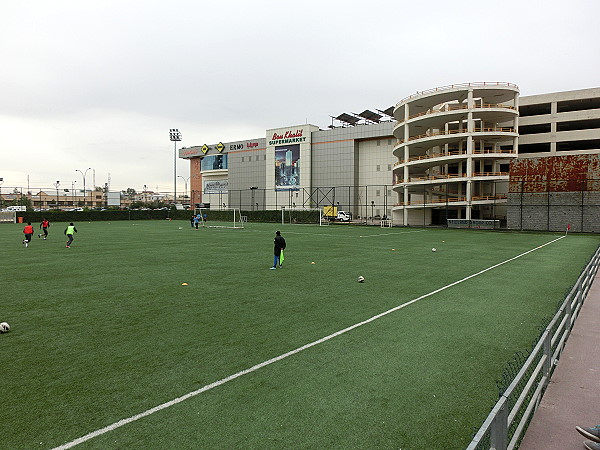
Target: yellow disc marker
184, 284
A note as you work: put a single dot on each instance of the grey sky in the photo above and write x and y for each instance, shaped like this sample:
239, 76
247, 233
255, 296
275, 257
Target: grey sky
99, 84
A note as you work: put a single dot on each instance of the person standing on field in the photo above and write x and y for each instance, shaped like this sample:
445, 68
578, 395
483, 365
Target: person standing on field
279, 243
28, 232
69, 232
44, 226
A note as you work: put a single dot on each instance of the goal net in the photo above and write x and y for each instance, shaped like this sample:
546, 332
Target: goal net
237, 220
8, 216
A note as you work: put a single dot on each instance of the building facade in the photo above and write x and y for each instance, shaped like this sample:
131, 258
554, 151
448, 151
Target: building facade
438, 154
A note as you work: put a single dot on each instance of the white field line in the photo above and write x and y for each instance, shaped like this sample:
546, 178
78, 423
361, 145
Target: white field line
354, 237
388, 234
254, 368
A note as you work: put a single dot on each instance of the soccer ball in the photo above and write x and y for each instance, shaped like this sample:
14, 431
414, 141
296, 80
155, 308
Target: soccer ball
434, 249
361, 279
4, 327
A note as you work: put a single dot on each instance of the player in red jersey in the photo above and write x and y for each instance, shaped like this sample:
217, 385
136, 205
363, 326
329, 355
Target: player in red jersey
28, 231
44, 226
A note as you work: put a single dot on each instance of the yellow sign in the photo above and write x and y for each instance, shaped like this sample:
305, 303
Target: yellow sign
220, 147
204, 148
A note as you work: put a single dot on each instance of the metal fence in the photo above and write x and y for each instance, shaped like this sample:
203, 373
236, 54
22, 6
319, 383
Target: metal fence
505, 426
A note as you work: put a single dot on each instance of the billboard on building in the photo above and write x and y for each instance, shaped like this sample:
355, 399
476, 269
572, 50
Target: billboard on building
287, 166
113, 199
216, 186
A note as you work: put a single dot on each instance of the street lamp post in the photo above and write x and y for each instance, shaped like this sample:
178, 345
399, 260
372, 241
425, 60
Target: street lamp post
1, 181
372, 206
73, 193
185, 184
175, 137
56, 186
83, 174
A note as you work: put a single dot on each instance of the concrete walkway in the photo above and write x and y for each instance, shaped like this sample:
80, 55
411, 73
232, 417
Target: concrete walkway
573, 394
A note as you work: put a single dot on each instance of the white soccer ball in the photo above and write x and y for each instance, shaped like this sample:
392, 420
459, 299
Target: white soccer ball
4, 327
434, 249
361, 279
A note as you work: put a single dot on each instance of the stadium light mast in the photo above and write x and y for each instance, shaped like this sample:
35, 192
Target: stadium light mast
174, 136
83, 174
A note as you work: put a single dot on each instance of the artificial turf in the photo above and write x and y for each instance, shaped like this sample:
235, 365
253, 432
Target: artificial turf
106, 330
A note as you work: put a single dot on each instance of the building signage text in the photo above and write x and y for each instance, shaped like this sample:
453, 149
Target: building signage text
288, 137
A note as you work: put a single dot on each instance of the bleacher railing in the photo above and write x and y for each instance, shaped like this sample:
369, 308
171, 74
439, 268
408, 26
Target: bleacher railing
506, 424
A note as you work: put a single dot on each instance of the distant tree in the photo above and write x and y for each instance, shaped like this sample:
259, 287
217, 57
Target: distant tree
22, 201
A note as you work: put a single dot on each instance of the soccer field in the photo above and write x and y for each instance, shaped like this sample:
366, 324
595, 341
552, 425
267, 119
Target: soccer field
300, 357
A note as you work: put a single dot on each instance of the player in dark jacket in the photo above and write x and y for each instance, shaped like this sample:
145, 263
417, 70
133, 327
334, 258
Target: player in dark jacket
279, 243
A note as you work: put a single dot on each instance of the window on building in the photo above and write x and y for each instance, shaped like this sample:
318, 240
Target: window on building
389, 167
573, 125
378, 142
590, 144
377, 193
504, 167
389, 142
534, 148
377, 168
578, 105
242, 159
535, 110
534, 129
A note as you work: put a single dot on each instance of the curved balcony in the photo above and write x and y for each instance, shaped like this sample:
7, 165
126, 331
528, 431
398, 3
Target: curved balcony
441, 137
458, 201
492, 91
437, 117
448, 178
434, 159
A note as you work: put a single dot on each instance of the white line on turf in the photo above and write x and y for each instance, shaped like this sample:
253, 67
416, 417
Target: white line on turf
177, 400
388, 234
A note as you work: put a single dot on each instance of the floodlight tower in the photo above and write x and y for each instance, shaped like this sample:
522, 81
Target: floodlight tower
175, 137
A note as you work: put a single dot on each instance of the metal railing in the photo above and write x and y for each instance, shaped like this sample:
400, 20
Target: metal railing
457, 86
506, 424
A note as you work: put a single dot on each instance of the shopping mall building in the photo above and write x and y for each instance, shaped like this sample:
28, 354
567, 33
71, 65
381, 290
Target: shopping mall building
470, 151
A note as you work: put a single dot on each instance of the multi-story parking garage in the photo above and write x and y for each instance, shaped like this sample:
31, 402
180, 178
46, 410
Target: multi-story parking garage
454, 149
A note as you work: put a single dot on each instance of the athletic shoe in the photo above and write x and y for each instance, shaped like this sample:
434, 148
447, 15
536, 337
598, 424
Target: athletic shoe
68, 246
44, 238
272, 268
592, 433
39, 235
591, 445
26, 244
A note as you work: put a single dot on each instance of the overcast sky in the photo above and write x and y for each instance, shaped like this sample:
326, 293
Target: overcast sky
99, 84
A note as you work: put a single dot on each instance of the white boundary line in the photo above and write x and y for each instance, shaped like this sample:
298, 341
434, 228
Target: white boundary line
254, 368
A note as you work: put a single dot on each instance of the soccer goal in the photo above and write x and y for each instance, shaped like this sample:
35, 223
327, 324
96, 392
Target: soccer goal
237, 220
8, 216
323, 220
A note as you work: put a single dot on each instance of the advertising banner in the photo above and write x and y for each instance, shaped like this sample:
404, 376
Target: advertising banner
287, 166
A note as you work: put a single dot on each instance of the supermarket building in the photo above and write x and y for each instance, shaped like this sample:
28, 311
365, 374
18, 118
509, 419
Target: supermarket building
453, 152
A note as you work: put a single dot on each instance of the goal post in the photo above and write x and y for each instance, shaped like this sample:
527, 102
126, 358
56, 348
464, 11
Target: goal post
323, 220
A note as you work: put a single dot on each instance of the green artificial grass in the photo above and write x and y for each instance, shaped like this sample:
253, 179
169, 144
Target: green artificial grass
106, 330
